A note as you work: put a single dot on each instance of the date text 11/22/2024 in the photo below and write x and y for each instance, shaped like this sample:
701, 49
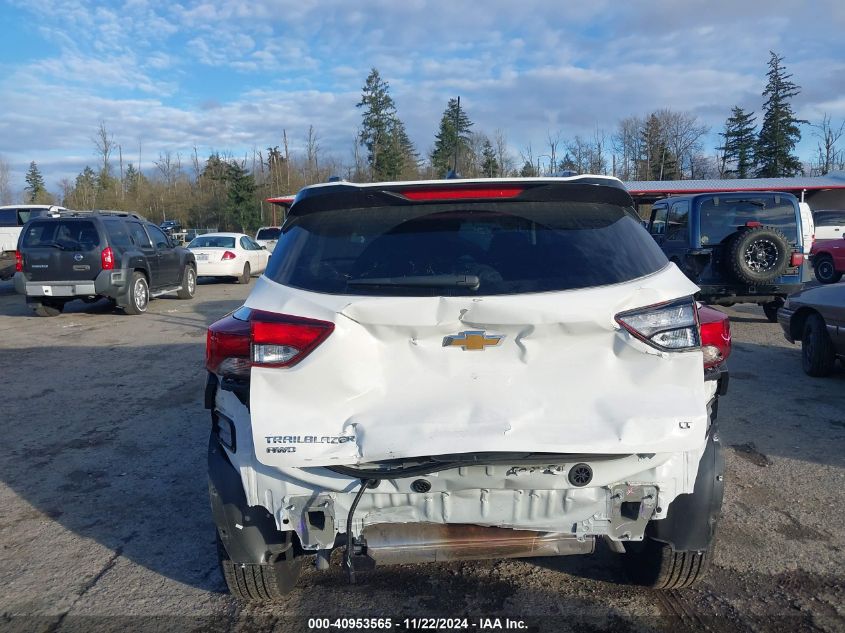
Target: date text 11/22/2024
417, 624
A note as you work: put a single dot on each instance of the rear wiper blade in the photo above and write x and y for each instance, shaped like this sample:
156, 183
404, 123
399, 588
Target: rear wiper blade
55, 245
421, 281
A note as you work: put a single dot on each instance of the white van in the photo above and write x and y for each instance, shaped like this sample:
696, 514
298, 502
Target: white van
12, 219
808, 228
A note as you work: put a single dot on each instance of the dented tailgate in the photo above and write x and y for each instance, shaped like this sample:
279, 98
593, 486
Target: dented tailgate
399, 377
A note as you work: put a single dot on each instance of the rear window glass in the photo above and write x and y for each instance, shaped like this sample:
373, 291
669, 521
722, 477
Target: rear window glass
210, 241
9, 217
19, 217
268, 234
829, 218
72, 235
118, 234
721, 217
512, 248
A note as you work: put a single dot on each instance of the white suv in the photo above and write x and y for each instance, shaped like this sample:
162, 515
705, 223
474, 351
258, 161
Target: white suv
465, 369
268, 236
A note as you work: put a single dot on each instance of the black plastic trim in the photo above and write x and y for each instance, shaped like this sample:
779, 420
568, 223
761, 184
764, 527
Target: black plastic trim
238, 387
721, 375
691, 520
211, 384
248, 533
346, 196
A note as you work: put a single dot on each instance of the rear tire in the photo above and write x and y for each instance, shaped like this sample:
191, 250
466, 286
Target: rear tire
656, 565
818, 356
825, 270
246, 276
47, 308
139, 295
189, 283
260, 582
771, 310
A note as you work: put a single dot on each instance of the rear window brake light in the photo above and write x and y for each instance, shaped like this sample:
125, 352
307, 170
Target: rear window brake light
460, 193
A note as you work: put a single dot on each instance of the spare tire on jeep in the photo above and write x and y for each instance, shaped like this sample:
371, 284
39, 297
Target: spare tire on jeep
757, 255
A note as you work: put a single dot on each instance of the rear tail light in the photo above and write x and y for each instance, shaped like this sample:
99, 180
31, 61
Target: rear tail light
797, 259
107, 258
682, 326
253, 338
228, 255
18, 262
670, 326
715, 336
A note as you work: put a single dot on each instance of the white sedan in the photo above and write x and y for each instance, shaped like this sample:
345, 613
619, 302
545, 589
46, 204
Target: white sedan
229, 255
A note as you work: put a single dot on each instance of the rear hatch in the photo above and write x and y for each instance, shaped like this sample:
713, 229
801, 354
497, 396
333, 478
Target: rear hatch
213, 249
62, 249
474, 326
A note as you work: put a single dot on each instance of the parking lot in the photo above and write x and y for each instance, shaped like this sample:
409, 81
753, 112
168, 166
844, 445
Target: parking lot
105, 521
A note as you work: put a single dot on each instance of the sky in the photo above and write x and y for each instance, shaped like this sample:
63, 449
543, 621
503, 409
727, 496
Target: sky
230, 76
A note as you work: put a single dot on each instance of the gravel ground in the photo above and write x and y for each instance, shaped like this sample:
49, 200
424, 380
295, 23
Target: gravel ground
105, 523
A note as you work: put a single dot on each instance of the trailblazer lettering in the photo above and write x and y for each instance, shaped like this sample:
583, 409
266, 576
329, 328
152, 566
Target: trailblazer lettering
308, 439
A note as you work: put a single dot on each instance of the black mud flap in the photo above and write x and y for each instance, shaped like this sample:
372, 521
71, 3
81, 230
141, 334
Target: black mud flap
691, 520
249, 534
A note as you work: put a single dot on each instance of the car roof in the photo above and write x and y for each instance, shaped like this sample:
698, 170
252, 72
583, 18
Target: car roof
32, 206
724, 194
223, 234
341, 194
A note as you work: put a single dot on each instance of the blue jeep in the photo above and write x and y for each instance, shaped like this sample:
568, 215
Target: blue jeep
739, 247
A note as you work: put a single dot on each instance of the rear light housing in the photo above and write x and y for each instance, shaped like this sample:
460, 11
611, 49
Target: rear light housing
107, 258
228, 255
682, 326
715, 336
671, 327
250, 338
18, 262
797, 259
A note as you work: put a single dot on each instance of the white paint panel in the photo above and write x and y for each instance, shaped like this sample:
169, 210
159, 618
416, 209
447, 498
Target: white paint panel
565, 378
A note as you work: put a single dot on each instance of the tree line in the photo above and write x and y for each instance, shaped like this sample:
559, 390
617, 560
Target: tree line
228, 192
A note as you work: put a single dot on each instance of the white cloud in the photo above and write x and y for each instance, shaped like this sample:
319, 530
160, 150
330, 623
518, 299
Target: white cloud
526, 68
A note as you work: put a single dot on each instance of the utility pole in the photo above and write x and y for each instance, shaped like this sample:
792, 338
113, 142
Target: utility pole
457, 135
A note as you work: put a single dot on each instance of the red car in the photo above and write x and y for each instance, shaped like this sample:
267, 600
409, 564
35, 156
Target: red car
828, 257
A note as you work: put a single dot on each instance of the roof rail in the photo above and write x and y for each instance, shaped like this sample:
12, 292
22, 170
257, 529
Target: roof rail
84, 212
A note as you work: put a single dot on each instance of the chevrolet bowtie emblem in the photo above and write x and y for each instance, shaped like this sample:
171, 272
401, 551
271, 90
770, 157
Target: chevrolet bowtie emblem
473, 340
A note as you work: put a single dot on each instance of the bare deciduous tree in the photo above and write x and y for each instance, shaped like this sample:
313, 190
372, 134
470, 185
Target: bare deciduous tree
104, 142
503, 156
829, 157
5, 184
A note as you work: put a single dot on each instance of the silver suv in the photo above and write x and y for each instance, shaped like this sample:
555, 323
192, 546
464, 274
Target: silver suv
465, 369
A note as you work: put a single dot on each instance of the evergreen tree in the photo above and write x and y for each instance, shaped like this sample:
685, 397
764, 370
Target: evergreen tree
739, 141
489, 164
400, 157
779, 132
528, 170
390, 151
35, 188
242, 207
658, 161
453, 135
